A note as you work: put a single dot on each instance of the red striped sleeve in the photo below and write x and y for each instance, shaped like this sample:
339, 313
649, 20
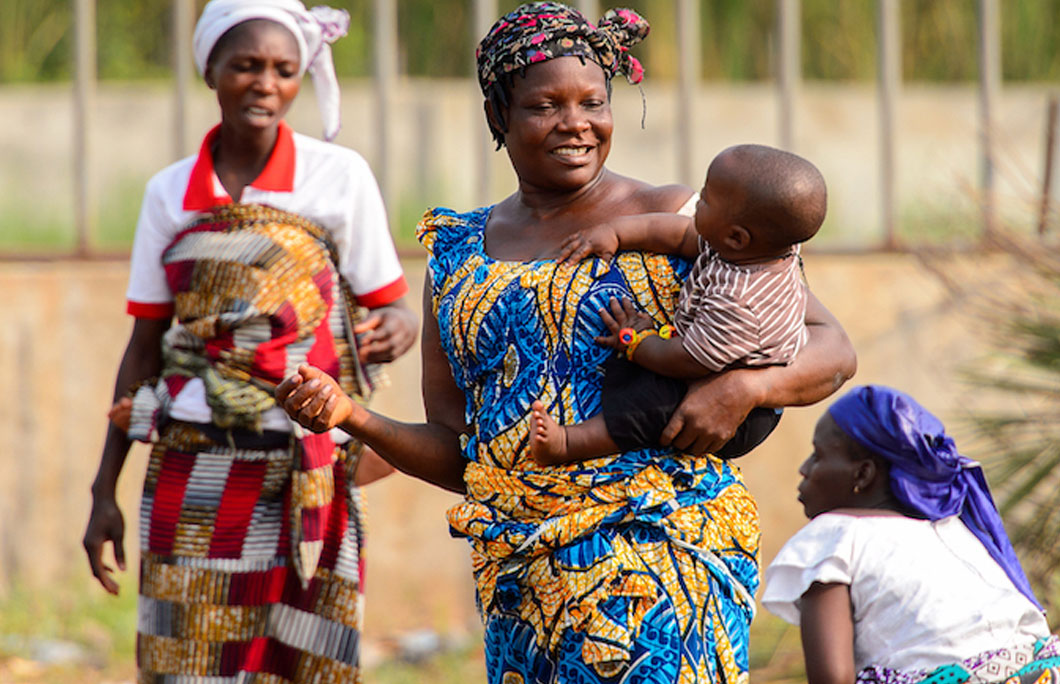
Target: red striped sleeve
388, 294
149, 309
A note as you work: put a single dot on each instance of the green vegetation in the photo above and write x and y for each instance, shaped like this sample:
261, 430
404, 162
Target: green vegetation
1019, 435
938, 39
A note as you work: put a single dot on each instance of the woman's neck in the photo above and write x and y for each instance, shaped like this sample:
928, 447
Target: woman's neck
533, 224
544, 204
239, 159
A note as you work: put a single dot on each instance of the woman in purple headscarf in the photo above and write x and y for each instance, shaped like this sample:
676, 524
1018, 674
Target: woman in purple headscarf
904, 574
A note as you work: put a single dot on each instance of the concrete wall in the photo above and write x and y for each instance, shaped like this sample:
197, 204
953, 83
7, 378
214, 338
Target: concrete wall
64, 332
436, 126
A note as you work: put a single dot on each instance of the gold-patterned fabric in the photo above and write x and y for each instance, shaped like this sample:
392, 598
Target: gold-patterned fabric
638, 565
218, 594
251, 540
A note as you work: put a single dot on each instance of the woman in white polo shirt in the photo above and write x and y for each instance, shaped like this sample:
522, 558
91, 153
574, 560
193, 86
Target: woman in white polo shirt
265, 250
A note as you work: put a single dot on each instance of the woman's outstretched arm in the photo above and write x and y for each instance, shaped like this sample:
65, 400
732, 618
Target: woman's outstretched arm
714, 407
142, 359
429, 451
826, 623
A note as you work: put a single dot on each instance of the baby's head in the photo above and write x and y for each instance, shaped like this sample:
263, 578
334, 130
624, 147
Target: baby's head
758, 201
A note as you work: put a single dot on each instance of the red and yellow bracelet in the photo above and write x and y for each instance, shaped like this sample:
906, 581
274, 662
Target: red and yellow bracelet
632, 338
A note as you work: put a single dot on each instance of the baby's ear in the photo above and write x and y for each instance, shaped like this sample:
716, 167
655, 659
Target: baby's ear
738, 238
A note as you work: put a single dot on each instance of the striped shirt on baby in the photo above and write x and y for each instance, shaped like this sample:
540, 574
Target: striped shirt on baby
742, 315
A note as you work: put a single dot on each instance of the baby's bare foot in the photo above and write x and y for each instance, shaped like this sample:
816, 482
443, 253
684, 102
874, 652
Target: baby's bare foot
548, 439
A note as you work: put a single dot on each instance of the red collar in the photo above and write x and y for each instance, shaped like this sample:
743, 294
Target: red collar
277, 176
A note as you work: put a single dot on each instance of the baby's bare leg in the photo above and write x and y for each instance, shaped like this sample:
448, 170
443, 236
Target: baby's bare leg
555, 444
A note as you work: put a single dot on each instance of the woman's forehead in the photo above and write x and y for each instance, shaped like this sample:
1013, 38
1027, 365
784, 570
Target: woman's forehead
560, 72
254, 33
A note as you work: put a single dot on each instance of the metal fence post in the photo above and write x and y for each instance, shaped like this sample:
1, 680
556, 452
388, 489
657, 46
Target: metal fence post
485, 15
889, 65
1051, 111
989, 87
687, 86
84, 106
183, 13
789, 66
386, 41
590, 9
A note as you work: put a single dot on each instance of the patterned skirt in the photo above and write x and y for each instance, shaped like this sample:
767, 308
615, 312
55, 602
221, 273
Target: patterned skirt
1037, 663
219, 599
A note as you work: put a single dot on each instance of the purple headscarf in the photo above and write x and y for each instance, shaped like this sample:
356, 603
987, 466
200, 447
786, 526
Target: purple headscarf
927, 473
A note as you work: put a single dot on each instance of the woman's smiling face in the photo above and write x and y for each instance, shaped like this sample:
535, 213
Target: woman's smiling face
559, 124
254, 69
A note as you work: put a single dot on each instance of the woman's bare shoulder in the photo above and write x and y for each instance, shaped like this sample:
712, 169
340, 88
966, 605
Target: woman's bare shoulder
648, 198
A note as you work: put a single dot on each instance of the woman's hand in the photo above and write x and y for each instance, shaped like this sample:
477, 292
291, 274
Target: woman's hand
387, 333
121, 413
622, 315
142, 360
600, 240
314, 399
711, 411
105, 524
715, 406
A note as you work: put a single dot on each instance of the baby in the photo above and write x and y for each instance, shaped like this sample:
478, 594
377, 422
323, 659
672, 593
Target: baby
743, 304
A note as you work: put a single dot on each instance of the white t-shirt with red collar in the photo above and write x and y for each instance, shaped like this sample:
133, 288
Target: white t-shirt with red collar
330, 185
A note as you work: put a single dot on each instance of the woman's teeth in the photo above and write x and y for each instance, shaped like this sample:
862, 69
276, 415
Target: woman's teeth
571, 151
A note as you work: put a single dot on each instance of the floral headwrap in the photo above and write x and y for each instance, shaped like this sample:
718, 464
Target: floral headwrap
540, 31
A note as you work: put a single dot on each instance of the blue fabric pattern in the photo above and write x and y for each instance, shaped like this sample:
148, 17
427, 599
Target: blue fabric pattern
635, 567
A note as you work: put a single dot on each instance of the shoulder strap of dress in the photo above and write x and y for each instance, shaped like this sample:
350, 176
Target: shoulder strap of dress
689, 207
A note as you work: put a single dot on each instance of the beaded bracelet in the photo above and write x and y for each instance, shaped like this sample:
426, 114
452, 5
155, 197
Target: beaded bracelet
632, 338
639, 337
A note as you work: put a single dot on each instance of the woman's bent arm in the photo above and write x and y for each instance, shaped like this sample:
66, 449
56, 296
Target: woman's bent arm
714, 407
827, 626
142, 359
428, 451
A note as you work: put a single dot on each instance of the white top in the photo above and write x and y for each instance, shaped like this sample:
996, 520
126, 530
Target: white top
924, 593
330, 185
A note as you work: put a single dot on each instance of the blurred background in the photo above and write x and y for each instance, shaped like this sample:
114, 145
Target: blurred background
933, 121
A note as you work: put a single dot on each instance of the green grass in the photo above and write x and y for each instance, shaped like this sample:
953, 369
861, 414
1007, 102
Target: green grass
461, 666
105, 627
80, 612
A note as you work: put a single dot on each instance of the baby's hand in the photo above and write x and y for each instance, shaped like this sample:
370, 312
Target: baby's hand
314, 399
622, 315
121, 413
601, 240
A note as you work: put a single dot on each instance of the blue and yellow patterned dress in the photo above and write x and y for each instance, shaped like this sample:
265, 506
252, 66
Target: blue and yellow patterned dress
639, 567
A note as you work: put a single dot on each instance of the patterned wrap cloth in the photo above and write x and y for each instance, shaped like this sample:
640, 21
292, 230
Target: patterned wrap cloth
539, 31
251, 540
642, 564
1038, 663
